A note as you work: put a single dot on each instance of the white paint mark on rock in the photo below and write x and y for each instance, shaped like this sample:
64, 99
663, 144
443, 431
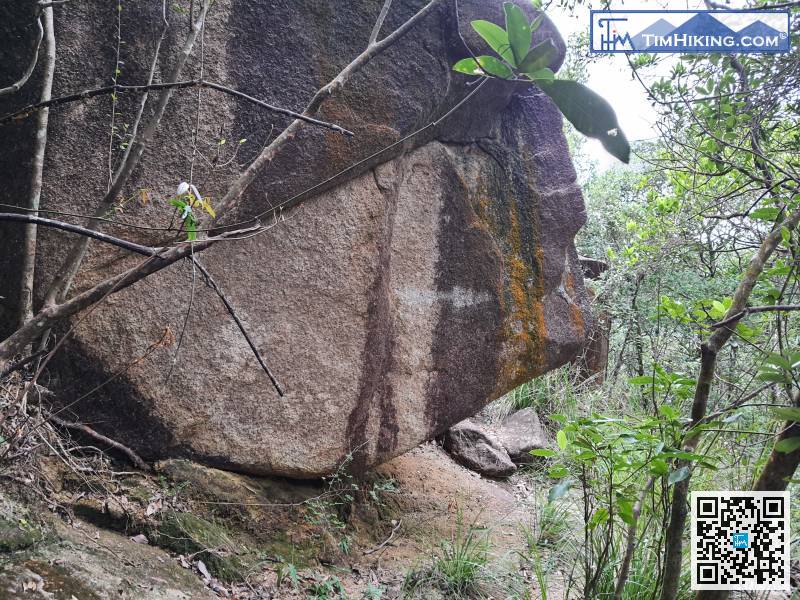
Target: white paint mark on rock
458, 297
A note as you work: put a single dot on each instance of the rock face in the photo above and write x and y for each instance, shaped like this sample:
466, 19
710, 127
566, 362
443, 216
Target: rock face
520, 432
397, 300
476, 449
593, 360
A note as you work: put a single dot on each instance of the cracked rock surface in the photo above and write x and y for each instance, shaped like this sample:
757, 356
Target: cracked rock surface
397, 301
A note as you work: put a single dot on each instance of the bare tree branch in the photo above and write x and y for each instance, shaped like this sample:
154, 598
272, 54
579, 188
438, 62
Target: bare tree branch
60, 286
144, 88
40, 144
630, 541
238, 187
84, 231
154, 63
756, 309
17, 85
135, 459
376, 30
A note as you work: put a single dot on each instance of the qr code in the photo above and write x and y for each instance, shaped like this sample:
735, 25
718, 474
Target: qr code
740, 540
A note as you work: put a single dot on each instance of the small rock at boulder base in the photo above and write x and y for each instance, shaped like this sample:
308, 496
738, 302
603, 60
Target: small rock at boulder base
406, 292
475, 448
521, 432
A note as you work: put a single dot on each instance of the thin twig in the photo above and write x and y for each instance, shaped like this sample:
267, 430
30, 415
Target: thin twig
213, 285
756, 309
20, 363
110, 89
189, 307
386, 541
143, 101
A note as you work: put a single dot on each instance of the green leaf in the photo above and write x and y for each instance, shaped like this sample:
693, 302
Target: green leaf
772, 376
599, 516
766, 213
485, 65
641, 380
778, 360
790, 413
542, 452
625, 511
718, 309
539, 57
659, 467
558, 490
590, 114
518, 30
191, 228
561, 439
497, 38
544, 74
788, 445
537, 21
669, 412
678, 475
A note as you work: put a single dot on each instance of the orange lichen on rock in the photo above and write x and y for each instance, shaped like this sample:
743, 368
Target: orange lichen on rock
526, 328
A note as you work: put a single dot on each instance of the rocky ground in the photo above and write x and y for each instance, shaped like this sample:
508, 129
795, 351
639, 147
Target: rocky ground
70, 529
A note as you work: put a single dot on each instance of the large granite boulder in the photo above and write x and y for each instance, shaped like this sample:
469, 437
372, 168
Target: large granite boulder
395, 302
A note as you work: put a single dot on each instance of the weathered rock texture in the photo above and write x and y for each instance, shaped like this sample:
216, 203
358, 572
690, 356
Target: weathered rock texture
476, 448
520, 432
391, 305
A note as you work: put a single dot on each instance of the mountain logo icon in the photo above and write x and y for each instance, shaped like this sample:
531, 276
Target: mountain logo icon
676, 31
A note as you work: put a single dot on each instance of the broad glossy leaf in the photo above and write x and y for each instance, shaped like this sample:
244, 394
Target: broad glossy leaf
561, 439
485, 65
539, 57
590, 114
497, 38
518, 30
544, 74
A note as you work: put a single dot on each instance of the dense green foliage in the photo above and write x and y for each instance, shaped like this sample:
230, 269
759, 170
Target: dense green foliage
702, 389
